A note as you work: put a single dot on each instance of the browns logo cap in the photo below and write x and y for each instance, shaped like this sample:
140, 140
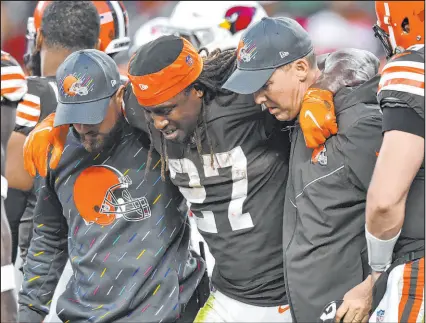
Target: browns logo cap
265, 46
87, 80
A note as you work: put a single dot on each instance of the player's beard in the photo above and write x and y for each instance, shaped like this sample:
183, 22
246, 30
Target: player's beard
95, 142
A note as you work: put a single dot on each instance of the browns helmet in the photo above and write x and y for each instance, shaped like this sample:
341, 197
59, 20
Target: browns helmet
114, 27
400, 24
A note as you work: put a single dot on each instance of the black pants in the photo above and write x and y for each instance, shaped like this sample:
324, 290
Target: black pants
190, 311
197, 300
26, 228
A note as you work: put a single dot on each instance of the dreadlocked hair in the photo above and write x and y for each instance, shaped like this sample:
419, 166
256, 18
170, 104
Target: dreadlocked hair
217, 68
151, 144
164, 158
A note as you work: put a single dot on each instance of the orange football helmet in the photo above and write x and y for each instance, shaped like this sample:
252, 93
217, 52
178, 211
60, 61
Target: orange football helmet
114, 27
400, 24
101, 196
114, 34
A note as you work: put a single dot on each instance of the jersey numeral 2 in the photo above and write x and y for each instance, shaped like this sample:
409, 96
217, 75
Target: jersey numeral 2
196, 193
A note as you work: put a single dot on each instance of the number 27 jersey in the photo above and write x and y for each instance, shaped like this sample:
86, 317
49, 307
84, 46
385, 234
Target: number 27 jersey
238, 202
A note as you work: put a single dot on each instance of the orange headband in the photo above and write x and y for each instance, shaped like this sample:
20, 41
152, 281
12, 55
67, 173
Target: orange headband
156, 88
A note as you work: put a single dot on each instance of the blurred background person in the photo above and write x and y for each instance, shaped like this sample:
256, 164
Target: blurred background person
332, 24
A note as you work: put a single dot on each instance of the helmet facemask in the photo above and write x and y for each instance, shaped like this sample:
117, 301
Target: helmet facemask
32, 58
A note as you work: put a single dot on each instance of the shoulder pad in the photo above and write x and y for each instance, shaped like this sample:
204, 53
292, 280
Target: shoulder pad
41, 99
13, 82
404, 72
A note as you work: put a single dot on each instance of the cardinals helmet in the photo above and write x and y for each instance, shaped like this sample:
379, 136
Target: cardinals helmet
213, 21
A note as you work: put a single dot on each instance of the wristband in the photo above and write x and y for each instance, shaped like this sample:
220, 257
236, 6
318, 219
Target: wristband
380, 251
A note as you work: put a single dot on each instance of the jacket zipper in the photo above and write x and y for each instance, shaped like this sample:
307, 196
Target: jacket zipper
293, 146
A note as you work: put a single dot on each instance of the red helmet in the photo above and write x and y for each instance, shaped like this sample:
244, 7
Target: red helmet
400, 24
114, 26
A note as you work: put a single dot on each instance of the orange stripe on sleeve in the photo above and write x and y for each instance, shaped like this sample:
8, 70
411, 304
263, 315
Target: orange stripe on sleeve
27, 116
9, 90
31, 104
418, 84
7, 77
406, 69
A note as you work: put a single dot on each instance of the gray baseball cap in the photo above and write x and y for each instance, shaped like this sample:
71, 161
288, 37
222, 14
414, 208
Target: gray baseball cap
87, 80
265, 46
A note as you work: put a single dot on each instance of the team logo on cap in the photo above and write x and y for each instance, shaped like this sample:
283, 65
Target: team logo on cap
246, 51
73, 85
284, 54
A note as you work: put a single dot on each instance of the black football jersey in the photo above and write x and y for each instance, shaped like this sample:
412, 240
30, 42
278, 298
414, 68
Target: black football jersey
238, 202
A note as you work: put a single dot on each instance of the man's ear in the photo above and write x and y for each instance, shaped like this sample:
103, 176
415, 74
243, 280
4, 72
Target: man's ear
198, 92
98, 44
119, 96
301, 67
